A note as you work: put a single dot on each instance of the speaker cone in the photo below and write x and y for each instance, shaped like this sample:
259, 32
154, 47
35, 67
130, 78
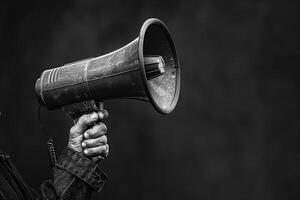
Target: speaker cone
163, 90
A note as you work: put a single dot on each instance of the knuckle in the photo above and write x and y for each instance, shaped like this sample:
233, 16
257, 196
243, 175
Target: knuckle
98, 129
87, 142
82, 121
104, 139
85, 118
100, 141
73, 130
103, 127
89, 151
93, 132
103, 149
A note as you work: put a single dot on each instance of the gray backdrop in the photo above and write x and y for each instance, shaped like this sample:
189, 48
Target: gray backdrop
235, 131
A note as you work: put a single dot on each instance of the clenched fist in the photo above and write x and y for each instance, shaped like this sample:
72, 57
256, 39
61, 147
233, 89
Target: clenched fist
88, 136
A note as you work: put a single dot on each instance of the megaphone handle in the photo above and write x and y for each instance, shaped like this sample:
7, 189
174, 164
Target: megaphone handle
76, 110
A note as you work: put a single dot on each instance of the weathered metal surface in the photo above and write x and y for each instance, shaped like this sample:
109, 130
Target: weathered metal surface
115, 75
119, 74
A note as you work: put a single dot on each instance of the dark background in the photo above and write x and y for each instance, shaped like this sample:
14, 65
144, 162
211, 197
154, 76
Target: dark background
235, 131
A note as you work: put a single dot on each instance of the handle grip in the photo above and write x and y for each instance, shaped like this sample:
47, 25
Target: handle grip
77, 109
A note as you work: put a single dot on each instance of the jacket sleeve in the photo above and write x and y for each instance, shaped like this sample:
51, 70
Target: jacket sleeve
74, 177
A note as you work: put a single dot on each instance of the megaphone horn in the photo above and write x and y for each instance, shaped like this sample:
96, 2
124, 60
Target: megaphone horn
146, 69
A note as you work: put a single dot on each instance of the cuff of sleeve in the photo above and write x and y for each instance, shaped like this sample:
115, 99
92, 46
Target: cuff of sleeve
82, 167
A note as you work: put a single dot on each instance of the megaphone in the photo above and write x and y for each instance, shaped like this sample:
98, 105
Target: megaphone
146, 69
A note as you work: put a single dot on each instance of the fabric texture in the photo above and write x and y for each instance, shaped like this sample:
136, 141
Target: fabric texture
74, 177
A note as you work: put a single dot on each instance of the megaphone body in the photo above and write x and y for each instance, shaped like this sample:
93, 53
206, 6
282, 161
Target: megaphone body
145, 69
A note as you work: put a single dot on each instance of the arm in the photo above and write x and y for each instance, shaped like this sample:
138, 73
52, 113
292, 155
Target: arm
76, 173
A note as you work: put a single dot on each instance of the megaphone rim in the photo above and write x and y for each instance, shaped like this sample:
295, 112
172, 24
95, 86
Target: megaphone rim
143, 30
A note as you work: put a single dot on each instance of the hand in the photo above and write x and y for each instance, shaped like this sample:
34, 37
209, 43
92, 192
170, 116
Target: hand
88, 135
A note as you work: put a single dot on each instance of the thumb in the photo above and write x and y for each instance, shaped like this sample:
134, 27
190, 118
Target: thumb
82, 123
75, 143
76, 132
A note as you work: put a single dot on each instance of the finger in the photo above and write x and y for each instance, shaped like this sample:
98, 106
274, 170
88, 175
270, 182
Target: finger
96, 151
94, 142
97, 159
101, 157
102, 114
83, 122
96, 131
107, 150
86, 120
